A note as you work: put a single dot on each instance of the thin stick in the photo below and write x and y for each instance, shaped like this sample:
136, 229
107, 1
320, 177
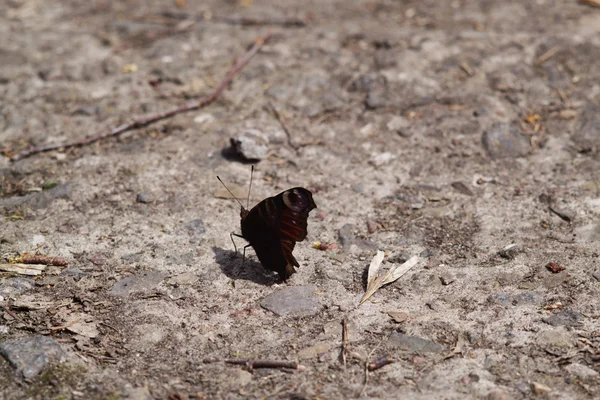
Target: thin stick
284, 126
593, 3
251, 364
61, 327
244, 21
39, 259
145, 121
379, 363
344, 340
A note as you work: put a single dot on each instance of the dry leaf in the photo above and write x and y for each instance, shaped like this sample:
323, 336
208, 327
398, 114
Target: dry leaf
23, 269
375, 280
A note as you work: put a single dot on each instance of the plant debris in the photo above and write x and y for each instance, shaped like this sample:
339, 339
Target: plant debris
554, 267
376, 281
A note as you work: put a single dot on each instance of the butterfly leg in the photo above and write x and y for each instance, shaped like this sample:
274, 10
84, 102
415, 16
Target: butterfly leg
244, 254
231, 235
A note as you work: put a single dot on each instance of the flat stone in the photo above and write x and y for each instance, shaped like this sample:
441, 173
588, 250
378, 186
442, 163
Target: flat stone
144, 198
587, 133
250, 145
38, 200
15, 286
143, 282
415, 344
581, 371
195, 227
314, 351
555, 339
31, 356
139, 393
568, 318
293, 301
587, 233
460, 187
240, 377
504, 141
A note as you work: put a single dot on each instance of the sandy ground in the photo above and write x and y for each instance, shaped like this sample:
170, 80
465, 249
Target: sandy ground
467, 132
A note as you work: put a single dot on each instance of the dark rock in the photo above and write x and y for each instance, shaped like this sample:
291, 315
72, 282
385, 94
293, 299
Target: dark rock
195, 227
587, 133
504, 81
504, 141
144, 198
447, 279
13, 286
462, 188
415, 343
567, 318
564, 213
427, 253
295, 301
144, 282
31, 356
346, 235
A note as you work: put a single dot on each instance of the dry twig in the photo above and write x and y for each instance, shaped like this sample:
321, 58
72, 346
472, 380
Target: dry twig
145, 121
379, 363
61, 327
344, 340
593, 3
284, 126
252, 364
244, 21
39, 259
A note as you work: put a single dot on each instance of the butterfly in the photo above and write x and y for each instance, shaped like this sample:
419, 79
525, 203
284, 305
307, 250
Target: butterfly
273, 226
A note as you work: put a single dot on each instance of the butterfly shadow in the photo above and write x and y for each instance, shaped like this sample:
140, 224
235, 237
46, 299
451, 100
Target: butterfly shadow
231, 265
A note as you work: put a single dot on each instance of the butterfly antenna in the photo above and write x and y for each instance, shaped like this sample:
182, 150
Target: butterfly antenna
230, 192
248, 199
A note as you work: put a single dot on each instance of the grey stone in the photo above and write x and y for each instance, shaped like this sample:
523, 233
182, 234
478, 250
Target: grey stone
38, 200
144, 198
14, 286
195, 227
415, 343
587, 233
346, 235
294, 301
447, 278
581, 371
144, 282
250, 145
139, 393
504, 81
504, 141
31, 356
568, 318
596, 276
399, 125
556, 339
587, 133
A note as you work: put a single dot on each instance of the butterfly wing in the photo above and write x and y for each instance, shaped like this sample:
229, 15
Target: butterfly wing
274, 226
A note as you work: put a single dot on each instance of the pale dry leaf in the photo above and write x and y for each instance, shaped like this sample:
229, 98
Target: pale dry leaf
396, 272
23, 269
375, 281
374, 266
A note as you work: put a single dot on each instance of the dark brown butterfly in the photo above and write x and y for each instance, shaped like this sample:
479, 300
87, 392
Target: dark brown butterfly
273, 226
